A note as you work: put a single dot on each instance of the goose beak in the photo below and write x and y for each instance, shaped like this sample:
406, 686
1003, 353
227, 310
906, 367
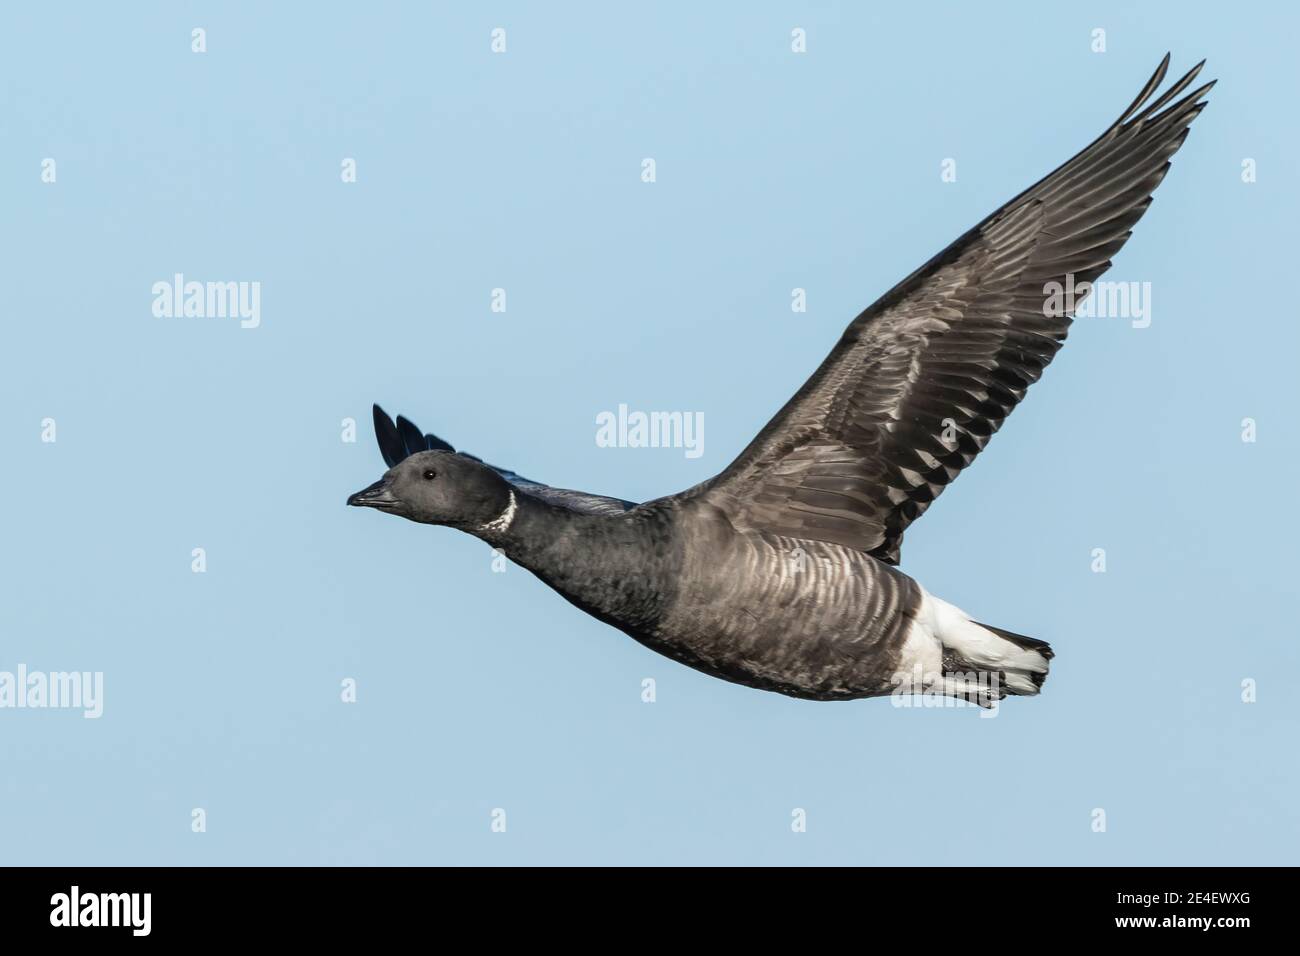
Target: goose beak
376, 496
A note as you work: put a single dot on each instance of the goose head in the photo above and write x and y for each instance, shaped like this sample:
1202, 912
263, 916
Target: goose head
440, 487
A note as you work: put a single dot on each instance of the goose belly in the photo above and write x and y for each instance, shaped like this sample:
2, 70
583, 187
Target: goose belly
803, 618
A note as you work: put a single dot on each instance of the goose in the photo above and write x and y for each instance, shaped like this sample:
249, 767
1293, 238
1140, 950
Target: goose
781, 572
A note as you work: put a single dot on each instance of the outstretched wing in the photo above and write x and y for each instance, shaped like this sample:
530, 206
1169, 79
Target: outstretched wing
397, 440
923, 378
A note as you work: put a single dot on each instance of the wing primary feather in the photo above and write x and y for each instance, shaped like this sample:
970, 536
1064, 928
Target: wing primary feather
412, 437
1170, 93
1153, 84
390, 442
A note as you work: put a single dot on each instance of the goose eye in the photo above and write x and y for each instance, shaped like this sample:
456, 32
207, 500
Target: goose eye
430, 474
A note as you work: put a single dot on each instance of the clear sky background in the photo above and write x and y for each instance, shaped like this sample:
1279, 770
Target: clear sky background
479, 690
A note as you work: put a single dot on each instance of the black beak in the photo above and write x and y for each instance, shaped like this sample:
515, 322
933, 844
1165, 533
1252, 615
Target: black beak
376, 496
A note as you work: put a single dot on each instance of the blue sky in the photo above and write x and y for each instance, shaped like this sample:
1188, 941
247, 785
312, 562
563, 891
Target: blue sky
479, 691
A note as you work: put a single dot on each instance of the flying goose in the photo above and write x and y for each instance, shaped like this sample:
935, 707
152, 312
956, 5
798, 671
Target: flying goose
780, 572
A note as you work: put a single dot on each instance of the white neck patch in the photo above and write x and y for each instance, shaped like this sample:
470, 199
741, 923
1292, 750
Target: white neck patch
502, 521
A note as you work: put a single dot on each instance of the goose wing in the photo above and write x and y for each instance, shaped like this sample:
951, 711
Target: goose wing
922, 379
400, 439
